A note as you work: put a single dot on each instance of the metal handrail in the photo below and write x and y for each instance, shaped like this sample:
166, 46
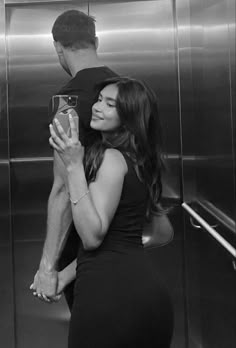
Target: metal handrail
210, 230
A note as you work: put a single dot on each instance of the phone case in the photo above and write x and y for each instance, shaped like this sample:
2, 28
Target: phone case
62, 106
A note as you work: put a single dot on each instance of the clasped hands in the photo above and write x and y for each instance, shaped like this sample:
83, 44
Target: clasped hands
47, 285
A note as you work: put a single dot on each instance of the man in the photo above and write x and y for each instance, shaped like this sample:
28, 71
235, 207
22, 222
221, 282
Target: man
76, 44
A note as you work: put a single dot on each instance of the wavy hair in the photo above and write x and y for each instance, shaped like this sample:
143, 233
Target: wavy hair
139, 137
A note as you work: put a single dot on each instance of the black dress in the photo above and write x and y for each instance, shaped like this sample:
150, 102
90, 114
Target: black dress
118, 299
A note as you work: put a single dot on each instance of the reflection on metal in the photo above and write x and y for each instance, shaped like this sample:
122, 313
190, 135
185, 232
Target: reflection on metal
193, 224
206, 99
198, 226
210, 230
31, 159
158, 232
218, 215
7, 329
35, 2
3, 87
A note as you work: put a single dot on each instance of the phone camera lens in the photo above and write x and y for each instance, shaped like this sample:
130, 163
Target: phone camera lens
72, 101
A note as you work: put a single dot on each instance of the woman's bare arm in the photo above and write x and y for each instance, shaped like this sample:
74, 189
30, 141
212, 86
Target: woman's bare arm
93, 213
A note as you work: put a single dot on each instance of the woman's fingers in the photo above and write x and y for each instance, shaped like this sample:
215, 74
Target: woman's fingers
45, 298
74, 131
60, 130
60, 143
54, 145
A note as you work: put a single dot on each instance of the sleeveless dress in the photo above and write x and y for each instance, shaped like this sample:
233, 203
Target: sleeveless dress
119, 301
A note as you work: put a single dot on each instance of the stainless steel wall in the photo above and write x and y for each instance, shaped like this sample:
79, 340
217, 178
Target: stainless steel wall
207, 104
185, 49
6, 265
206, 61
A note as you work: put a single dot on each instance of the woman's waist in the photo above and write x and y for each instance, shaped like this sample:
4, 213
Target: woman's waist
114, 245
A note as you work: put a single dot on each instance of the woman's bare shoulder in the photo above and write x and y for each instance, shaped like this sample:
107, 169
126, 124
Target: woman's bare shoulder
114, 161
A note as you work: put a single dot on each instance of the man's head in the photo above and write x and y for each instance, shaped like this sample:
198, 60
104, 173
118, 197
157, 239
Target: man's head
73, 30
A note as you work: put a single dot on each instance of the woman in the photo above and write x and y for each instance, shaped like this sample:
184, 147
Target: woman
114, 187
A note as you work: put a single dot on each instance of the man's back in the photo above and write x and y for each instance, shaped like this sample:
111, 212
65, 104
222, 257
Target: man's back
76, 43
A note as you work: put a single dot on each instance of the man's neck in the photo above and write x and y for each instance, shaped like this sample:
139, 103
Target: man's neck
82, 59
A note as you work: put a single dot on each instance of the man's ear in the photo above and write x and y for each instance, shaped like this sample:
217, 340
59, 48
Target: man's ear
58, 47
96, 42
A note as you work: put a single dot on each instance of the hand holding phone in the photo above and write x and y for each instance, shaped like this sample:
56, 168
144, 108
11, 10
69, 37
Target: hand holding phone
63, 105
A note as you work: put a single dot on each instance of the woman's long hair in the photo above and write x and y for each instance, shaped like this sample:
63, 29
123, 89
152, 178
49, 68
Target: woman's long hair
139, 137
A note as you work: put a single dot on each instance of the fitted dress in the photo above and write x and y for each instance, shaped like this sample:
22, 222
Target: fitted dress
119, 301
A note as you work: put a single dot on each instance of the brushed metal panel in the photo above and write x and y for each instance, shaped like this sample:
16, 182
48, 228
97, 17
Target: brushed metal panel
185, 53
33, 2
208, 158
208, 168
3, 88
211, 284
232, 39
5, 232
138, 39
75, 2
215, 172
30, 187
34, 75
7, 337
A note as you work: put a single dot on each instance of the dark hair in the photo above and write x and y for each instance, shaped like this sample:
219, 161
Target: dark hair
74, 29
139, 136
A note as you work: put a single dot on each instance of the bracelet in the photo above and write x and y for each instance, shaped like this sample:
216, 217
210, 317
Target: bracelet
79, 199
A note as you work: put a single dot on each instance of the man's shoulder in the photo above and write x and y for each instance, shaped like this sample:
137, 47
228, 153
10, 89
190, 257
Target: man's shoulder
84, 82
87, 78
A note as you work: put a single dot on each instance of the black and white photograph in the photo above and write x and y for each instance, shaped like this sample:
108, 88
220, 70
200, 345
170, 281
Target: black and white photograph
117, 174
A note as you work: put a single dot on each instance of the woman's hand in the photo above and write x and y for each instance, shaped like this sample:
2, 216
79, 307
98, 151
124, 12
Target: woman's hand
69, 149
61, 284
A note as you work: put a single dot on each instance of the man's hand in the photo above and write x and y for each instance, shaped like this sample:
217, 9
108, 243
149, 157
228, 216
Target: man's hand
45, 284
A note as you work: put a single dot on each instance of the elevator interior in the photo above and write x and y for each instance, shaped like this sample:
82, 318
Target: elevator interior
185, 50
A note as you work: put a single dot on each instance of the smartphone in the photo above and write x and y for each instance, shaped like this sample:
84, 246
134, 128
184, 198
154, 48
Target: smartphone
62, 106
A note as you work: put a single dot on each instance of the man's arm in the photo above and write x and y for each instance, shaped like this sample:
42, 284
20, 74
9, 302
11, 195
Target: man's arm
58, 221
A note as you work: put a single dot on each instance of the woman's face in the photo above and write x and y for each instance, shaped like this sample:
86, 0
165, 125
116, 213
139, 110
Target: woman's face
104, 114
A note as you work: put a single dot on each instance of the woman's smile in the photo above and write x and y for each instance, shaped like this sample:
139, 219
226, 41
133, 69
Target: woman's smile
96, 117
105, 110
